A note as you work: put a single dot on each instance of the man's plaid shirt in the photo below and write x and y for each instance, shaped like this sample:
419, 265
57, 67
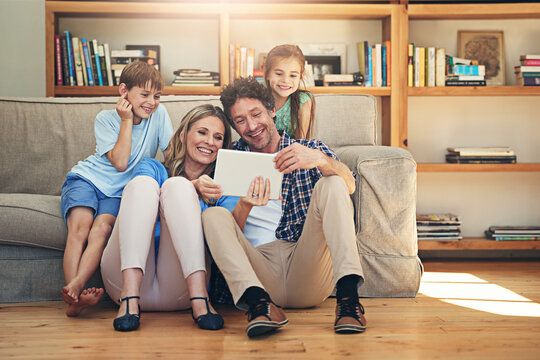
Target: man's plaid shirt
296, 190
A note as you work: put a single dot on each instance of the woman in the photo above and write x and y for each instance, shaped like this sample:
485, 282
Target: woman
155, 257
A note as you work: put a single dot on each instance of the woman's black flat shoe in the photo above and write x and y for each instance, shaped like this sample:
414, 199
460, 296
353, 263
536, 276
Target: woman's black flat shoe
208, 321
128, 322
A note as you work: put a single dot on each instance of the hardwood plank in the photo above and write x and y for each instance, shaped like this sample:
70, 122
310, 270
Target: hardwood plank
421, 327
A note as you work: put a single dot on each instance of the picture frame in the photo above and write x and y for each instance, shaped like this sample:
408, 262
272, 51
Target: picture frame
322, 65
488, 48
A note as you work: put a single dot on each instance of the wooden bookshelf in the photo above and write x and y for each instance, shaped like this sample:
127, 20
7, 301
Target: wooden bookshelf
475, 91
478, 244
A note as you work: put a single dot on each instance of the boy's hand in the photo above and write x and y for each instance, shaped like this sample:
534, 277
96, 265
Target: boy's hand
123, 108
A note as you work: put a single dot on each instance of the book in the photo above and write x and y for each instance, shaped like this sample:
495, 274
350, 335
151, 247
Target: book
71, 63
529, 56
456, 159
515, 229
465, 83
440, 66
442, 219
468, 70
103, 66
383, 66
422, 66
92, 53
338, 77
378, 65
127, 53
98, 62
237, 62
388, 63
528, 81
65, 65
369, 68
526, 68
110, 78
465, 77
481, 151
250, 61
77, 60
416, 66
88, 62
58, 60
360, 50
83, 63
530, 62
410, 66
430, 66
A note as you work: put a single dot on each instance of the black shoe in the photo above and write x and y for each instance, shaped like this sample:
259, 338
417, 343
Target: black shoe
265, 317
349, 316
128, 322
208, 321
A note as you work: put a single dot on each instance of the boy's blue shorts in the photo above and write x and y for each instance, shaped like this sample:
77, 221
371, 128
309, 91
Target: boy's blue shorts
78, 191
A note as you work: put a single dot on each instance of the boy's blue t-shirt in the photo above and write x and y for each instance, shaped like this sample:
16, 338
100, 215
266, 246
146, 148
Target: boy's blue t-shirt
146, 137
157, 171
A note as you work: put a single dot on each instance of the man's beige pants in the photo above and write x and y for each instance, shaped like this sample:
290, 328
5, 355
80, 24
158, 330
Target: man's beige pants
297, 275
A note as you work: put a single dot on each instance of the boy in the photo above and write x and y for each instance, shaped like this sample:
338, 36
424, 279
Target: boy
93, 188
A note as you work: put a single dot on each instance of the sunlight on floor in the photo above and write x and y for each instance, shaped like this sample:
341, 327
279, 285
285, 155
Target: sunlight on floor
469, 291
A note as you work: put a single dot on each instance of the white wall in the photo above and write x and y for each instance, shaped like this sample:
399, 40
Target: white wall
22, 40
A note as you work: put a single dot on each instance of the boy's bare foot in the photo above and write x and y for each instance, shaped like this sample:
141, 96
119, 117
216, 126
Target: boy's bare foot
88, 297
70, 294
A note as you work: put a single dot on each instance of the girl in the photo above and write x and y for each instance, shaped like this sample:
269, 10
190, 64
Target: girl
295, 108
165, 269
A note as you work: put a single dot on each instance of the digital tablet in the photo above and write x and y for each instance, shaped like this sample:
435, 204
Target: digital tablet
235, 170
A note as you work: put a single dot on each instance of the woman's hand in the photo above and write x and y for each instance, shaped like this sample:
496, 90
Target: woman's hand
207, 188
124, 108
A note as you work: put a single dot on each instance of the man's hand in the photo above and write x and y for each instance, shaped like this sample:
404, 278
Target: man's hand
124, 108
297, 156
207, 188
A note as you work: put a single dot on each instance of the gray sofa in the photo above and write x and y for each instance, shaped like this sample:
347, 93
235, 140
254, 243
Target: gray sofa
42, 138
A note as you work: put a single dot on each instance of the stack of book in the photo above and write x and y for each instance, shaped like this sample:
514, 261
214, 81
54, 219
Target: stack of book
441, 227
500, 233
528, 73
466, 75
195, 77
481, 155
374, 64
354, 79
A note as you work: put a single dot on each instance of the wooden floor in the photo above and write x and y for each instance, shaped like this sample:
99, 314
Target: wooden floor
468, 310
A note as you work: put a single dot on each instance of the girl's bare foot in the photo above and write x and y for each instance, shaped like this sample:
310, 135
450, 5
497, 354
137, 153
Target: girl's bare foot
88, 297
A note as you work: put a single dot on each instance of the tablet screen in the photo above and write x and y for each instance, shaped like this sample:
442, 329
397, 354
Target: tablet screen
235, 170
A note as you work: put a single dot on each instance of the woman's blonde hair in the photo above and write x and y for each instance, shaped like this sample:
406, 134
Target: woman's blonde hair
176, 151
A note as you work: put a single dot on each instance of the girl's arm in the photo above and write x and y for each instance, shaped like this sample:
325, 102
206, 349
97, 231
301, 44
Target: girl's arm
120, 153
257, 187
304, 119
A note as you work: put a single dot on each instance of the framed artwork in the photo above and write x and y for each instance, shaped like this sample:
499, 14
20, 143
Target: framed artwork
322, 65
488, 48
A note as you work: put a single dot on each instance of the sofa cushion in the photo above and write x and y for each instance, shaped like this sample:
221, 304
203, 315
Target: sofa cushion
342, 120
32, 220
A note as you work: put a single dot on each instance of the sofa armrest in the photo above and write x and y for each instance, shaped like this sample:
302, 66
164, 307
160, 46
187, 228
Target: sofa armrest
385, 218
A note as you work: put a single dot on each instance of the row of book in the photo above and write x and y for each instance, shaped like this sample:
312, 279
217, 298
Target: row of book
442, 227
430, 66
481, 155
447, 227
374, 63
84, 62
195, 77
502, 233
528, 72
241, 61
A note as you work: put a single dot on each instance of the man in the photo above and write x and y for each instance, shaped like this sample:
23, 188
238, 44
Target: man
294, 251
